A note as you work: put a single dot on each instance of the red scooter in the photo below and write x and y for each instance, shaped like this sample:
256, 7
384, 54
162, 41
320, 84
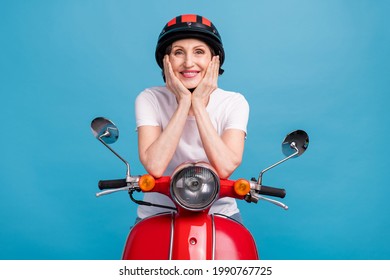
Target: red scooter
188, 231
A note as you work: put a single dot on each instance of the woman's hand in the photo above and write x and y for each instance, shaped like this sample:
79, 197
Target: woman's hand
208, 84
174, 84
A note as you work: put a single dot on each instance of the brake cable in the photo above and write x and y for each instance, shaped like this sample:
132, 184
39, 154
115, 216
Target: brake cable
141, 202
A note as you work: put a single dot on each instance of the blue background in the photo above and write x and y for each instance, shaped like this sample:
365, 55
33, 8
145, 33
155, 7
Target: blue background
321, 66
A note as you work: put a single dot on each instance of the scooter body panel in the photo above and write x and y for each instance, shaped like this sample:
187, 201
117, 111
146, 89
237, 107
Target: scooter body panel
150, 239
193, 237
233, 241
189, 237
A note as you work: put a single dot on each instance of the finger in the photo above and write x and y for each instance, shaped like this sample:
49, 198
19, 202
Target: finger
210, 70
166, 66
168, 71
216, 66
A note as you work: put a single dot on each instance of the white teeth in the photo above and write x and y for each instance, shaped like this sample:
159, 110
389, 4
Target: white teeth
189, 74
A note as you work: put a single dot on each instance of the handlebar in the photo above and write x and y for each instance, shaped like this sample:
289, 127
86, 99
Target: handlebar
272, 191
120, 183
112, 184
227, 190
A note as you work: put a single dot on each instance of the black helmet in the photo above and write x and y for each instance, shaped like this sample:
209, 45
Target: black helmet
189, 26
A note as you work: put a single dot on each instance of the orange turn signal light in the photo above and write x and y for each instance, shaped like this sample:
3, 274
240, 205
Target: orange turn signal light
146, 182
242, 186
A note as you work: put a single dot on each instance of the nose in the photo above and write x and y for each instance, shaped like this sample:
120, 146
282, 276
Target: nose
189, 61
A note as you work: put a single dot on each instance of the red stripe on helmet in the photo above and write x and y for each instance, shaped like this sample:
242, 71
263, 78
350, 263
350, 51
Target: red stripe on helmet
188, 18
172, 22
205, 21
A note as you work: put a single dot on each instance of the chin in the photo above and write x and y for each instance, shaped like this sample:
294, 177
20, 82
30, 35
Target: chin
191, 85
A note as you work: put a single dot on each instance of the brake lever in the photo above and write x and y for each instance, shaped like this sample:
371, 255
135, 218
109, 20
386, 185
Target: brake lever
105, 192
254, 197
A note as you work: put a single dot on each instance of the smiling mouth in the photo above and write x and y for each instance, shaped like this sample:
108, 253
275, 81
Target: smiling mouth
189, 74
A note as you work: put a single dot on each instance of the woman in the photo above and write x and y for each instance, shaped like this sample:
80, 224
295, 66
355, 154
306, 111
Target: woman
190, 118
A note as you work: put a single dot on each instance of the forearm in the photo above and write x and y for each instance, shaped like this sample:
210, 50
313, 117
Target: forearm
157, 147
223, 152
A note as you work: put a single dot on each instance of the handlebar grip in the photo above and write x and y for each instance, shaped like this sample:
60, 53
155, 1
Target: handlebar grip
112, 184
272, 191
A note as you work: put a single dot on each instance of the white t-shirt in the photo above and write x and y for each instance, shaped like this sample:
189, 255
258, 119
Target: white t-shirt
155, 107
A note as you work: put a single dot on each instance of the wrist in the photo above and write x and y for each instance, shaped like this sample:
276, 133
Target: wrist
198, 106
184, 102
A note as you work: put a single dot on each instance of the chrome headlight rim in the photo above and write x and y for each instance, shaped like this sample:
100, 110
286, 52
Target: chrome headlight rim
211, 197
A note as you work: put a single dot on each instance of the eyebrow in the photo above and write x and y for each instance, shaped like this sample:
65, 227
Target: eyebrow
197, 46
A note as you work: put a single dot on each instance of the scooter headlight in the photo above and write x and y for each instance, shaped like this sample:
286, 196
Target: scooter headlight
195, 186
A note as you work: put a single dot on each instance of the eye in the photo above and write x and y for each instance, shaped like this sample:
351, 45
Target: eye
178, 52
199, 51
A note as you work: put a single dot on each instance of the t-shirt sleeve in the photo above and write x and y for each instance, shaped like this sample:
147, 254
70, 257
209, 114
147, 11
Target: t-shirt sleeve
146, 109
237, 114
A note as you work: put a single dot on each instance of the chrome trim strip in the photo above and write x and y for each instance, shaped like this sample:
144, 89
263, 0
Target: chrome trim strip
172, 235
213, 237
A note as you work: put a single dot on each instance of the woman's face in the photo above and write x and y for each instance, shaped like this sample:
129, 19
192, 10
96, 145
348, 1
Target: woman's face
189, 59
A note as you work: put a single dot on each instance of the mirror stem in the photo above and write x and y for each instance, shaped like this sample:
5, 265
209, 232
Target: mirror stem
292, 145
128, 177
